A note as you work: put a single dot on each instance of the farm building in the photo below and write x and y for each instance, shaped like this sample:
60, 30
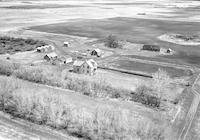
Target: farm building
65, 60
151, 48
51, 56
66, 44
45, 48
96, 52
85, 67
169, 50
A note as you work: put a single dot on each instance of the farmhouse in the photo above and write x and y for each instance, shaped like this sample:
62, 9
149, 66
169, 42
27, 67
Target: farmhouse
151, 48
96, 52
85, 67
50, 56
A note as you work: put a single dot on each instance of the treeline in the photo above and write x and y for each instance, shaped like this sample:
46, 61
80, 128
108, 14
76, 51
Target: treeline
11, 44
45, 107
150, 96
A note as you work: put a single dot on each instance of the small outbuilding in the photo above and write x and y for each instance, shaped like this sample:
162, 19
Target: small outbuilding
96, 52
65, 60
169, 50
45, 48
66, 44
151, 48
85, 67
51, 56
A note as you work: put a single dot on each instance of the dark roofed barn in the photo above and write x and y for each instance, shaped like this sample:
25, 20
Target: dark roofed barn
151, 48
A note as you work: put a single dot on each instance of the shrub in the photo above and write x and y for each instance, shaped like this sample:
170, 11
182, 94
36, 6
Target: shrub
161, 80
7, 87
7, 68
30, 74
145, 95
113, 41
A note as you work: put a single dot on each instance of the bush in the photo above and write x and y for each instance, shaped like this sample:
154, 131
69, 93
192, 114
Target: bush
30, 74
7, 68
146, 96
113, 41
161, 80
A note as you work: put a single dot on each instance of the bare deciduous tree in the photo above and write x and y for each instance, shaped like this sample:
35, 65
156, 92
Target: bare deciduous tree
161, 80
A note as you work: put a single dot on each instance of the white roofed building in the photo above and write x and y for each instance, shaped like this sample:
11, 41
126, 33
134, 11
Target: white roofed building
96, 52
51, 56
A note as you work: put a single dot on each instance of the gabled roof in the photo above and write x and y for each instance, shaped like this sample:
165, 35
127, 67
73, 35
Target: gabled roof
53, 54
66, 42
91, 63
78, 63
97, 50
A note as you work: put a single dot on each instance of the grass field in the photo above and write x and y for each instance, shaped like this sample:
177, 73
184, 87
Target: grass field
146, 68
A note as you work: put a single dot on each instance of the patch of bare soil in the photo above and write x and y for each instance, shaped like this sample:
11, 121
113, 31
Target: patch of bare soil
181, 39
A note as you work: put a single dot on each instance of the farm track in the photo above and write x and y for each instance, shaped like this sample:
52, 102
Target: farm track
192, 111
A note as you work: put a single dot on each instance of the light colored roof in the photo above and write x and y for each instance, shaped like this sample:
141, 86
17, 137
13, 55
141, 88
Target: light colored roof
39, 48
66, 42
98, 51
78, 63
91, 63
53, 54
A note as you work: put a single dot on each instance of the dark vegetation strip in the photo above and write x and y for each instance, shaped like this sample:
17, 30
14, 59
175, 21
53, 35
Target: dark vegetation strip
126, 71
12, 45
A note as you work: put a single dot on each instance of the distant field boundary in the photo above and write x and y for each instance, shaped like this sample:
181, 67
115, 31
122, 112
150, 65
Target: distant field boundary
127, 71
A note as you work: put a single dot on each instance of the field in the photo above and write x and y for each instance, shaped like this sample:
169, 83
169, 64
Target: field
124, 63
143, 31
